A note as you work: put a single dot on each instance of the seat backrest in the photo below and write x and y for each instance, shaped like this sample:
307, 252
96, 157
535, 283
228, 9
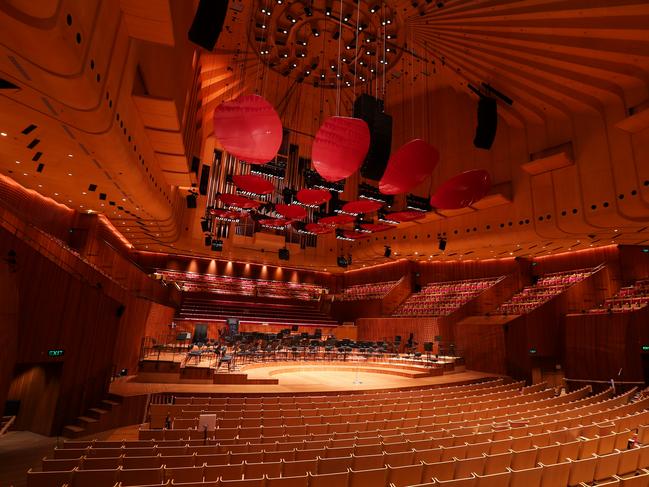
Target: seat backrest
375, 477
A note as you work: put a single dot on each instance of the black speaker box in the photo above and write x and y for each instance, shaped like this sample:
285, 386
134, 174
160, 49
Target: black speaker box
370, 110
208, 23
284, 254
205, 178
442, 245
120, 310
485, 131
191, 201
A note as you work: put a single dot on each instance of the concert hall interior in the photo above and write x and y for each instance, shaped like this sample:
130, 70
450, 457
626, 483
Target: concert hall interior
341, 243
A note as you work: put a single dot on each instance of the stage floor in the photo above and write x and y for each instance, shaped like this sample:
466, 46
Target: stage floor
318, 380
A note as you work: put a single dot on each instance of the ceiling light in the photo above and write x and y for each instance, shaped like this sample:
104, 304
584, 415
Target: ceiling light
69, 174
83, 192
70, 155
17, 162
4, 134
24, 174
56, 194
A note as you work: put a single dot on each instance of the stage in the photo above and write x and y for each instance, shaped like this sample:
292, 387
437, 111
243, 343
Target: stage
295, 378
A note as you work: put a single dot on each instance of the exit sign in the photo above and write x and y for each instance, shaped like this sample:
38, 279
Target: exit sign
55, 353
532, 351
645, 348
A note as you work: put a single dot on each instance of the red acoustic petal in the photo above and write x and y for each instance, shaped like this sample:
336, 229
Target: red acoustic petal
275, 222
376, 227
408, 167
238, 201
462, 190
294, 212
405, 216
249, 128
318, 228
336, 220
340, 147
229, 214
253, 183
355, 235
313, 196
362, 206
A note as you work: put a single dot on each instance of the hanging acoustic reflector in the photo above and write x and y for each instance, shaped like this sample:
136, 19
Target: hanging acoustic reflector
274, 222
294, 212
226, 214
313, 196
238, 201
362, 206
340, 147
355, 235
249, 128
408, 167
253, 183
462, 190
319, 228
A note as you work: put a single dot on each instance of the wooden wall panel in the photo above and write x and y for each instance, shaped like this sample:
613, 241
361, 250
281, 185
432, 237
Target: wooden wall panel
9, 309
605, 346
580, 259
482, 344
391, 271
457, 270
385, 329
634, 263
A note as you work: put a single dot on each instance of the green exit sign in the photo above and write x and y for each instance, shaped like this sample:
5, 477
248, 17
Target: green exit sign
645, 348
533, 351
55, 353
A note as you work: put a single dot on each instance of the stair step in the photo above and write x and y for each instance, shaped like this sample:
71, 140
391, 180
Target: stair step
87, 419
98, 411
109, 402
73, 431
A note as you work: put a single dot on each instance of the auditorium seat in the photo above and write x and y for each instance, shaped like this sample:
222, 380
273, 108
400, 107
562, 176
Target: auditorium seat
373, 290
298, 481
142, 476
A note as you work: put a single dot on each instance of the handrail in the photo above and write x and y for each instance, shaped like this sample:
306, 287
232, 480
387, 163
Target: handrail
8, 424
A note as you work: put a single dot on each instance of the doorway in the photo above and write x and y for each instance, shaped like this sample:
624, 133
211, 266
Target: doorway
34, 394
645, 367
200, 334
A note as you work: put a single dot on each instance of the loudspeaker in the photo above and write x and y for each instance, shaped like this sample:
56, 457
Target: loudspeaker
388, 251
120, 310
284, 254
428, 346
370, 110
205, 178
191, 200
208, 23
205, 226
442, 245
485, 131
217, 245
208, 240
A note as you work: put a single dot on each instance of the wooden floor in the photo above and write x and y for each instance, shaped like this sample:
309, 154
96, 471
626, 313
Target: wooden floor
318, 380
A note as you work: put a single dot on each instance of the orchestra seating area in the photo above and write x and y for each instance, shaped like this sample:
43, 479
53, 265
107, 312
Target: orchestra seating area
443, 298
629, 298
193, 282
201, 308
487, 434
375, 290
545, 288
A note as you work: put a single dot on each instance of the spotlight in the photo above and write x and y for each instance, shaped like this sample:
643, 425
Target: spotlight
316, 32
217, 245
342, 262
308, 11
328, 11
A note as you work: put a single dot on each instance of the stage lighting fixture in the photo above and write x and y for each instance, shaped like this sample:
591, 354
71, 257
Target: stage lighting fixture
308, 11
342, 262
191, 200
208, 240
205, 225
442, 244
217, 245
284, 254
388, 251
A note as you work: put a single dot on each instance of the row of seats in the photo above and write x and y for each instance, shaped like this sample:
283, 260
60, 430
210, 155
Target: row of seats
545, 288
200, 308
406, 470
628, 298
242, 286
375, 290
443, 298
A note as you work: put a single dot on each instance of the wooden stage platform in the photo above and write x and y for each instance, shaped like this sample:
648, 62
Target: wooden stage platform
295, 377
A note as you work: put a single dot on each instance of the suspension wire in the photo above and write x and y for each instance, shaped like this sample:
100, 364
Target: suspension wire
338, 74
358, 38
384, 34
412, 89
